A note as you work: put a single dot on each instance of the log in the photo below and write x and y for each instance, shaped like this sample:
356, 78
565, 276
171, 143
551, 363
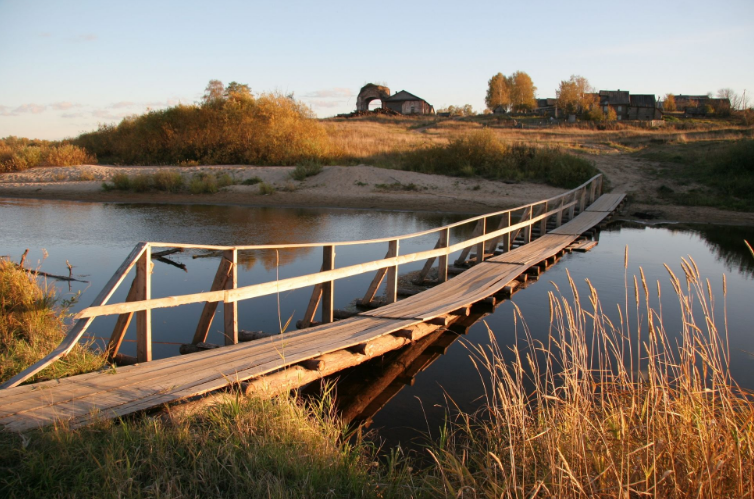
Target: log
160, 254
124, 360
252, 335
51, 276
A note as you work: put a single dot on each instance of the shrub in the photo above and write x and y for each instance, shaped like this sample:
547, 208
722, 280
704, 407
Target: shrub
168, 181
142, 183
203, 183
303, 171
18, 154
121, 182
265, 188
251, 181
483, 154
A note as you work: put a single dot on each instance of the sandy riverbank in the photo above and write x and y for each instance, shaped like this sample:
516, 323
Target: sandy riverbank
363, 187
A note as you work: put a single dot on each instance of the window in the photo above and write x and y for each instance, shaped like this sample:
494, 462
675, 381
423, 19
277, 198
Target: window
620, 108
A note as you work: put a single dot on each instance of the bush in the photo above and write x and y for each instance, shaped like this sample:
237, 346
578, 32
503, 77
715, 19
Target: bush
18, 154
251, 181
268, 130
483, 154
168, 181
303, 171
265, 188
203, 183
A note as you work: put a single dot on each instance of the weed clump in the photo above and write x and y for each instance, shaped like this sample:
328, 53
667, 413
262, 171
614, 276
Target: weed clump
170, 181
266, 189
302, 172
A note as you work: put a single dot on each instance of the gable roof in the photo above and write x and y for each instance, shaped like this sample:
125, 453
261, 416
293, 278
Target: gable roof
614, 97
643, 100
403, 96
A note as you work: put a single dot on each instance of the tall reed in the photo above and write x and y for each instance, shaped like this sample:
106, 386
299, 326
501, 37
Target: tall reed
608, 409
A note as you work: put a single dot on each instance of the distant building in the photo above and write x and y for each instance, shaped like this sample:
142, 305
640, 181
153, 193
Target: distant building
696, 105
617, 100
407, 103
644, 107
547, 107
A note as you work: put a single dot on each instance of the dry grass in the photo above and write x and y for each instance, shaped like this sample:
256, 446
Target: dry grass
609, 409
31, 326
18, 154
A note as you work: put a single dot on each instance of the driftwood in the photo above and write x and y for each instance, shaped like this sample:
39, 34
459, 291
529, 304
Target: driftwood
158, 254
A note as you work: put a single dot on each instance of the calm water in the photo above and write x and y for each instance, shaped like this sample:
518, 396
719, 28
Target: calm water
96, 237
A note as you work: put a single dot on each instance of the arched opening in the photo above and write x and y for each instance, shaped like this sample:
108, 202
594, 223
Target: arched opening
374, 104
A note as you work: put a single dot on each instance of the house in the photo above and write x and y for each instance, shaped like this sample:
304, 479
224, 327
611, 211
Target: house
547, 107
694, 105
644, 107
407, 103
617, 100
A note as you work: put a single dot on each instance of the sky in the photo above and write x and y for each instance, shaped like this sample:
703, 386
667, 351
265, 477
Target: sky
67, 67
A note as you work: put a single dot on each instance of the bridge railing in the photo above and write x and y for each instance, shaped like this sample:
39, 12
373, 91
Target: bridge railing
485, 239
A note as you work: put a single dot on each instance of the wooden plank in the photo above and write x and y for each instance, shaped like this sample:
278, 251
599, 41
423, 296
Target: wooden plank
391, 289
607, 202
230, 309
210, 307
144, 317
328, 287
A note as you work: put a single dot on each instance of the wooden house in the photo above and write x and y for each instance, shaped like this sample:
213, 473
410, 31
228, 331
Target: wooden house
617, 100
407, 103
644, 107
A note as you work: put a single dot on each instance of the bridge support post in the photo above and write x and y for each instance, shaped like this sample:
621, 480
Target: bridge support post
143, 282
442, 263
543, 223
328, 288
230, 310
480, 246
391, 291
559, 216
527, 215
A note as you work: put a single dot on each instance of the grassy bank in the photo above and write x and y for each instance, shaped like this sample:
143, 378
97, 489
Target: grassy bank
721, 173
601, 409
31, 325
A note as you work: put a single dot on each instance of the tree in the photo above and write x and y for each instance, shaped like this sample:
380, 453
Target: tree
522, 92
669, 103
498, 93
214, 92
575, 95
237, 91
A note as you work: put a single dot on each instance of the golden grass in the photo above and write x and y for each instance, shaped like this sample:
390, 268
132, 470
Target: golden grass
609, 409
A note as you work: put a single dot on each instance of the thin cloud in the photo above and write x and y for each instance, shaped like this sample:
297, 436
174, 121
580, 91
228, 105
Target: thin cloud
122, 104
325, 103
330, 93
5, 111
72, 115
63, 106
89, 37
104, 114
29, 108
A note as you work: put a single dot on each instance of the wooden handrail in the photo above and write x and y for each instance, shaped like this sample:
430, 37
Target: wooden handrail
272, 287
230, 294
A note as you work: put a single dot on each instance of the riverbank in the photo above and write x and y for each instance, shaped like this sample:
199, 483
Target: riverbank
361, 187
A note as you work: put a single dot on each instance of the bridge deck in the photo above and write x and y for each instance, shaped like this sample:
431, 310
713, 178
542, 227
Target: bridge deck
121, 391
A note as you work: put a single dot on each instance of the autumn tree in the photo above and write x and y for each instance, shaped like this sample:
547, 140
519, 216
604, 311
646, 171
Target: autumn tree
521, 90
237, 91
498, 93
575, 95
214, 92
669, 103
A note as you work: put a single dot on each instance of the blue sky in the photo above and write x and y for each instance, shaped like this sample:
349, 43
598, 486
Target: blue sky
67, 66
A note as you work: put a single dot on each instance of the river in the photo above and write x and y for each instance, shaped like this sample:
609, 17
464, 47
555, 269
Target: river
96, 237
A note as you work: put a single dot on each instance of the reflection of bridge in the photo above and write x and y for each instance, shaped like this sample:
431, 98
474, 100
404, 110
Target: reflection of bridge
508, 245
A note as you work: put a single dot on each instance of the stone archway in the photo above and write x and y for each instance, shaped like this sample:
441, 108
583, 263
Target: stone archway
370, 92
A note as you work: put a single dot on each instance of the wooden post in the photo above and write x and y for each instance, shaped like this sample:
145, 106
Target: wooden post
230, 310
507, 237
442, 263
328, 288
391, 291
208, 312
144, 317
572, 209
582, 200
599, 186
121, 325
477, 231
543, 223
373, 286
559, 216
312, 308
480, 246
528, 214
427, 265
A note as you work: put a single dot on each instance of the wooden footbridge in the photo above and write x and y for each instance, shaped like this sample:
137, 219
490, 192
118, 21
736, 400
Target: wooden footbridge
508, 245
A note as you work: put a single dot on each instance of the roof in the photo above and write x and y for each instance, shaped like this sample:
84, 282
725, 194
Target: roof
614, 97
403, 96
643, 100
